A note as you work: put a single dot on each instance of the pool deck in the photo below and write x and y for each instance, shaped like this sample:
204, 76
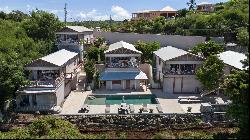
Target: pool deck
168, 102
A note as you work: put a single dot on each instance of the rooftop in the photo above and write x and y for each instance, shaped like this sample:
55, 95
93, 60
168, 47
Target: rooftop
204, 3
233, 58
167, 8
60, 57
121, 44
79, 28
169, 52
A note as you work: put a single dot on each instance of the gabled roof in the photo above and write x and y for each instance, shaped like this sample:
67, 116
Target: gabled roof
59, 58
79, 28
121, 44
233, 59
169, 52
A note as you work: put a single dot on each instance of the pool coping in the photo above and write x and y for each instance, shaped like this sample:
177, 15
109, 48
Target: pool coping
154, 96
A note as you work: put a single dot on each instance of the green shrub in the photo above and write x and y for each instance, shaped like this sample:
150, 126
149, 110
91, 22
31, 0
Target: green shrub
194, 135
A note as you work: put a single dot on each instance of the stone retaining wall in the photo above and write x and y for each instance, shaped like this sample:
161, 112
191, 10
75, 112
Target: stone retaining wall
147, 121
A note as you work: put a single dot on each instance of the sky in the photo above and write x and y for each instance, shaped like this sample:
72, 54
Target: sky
79, 10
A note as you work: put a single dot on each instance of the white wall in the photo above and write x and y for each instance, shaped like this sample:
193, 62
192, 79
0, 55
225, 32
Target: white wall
60, 94
108, 84
189, 83
168, 85
45, 99
71, 65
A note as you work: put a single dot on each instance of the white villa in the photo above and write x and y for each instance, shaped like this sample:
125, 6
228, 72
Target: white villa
74, 38
52, 78
175, 70
122, 70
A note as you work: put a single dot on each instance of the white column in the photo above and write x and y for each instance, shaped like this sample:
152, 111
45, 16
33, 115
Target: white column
123, 84
135, 84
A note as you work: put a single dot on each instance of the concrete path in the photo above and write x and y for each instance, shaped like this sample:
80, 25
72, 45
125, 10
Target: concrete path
74, 102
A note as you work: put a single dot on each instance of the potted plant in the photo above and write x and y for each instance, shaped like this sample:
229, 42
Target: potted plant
189, 109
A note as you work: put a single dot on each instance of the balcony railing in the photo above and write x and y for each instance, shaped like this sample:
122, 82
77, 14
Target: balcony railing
179, 72
72, 74
46, 83
73, 42
120, 65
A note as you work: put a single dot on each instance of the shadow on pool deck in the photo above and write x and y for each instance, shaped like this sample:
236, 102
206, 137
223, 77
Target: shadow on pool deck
103, 91
160, 94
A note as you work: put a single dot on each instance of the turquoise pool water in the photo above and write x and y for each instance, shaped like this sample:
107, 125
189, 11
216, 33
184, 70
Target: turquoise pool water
118, 99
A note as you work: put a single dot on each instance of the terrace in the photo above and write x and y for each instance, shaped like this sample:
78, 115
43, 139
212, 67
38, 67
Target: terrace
179, 69
122, 62
71, 39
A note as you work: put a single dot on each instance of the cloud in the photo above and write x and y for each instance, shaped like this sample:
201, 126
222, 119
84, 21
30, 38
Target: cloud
120, 13
92, 15
5, 9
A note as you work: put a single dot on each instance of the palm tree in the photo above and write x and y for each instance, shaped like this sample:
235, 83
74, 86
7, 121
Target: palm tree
191, 4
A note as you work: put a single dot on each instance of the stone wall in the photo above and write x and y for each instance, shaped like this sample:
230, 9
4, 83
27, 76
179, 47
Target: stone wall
146, 121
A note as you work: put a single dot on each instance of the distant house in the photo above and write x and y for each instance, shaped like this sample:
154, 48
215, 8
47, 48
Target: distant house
166, 12
51, 77
74, 38
205, 7
175, 70
122, 70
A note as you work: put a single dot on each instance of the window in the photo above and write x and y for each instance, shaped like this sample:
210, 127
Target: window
116, 82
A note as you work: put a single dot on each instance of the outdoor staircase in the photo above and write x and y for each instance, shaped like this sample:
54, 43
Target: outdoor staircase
207, 92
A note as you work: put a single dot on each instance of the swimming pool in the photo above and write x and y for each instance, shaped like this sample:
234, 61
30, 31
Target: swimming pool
118, 99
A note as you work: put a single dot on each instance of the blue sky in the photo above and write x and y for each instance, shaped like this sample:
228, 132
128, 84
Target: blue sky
95, 9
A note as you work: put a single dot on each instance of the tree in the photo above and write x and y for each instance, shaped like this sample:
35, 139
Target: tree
17, 16
191, 4
236, 87
101, 53
243, 37
207, 48
93, 53
42, 25
182, 12
147, 50
16, 50
99, 41
89, 68
3, 15
158, 24
211, 72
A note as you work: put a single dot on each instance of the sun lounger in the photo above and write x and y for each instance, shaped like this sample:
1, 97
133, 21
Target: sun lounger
189, 101
145, 108
158, 107
107, 109
84, 109
132, 108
